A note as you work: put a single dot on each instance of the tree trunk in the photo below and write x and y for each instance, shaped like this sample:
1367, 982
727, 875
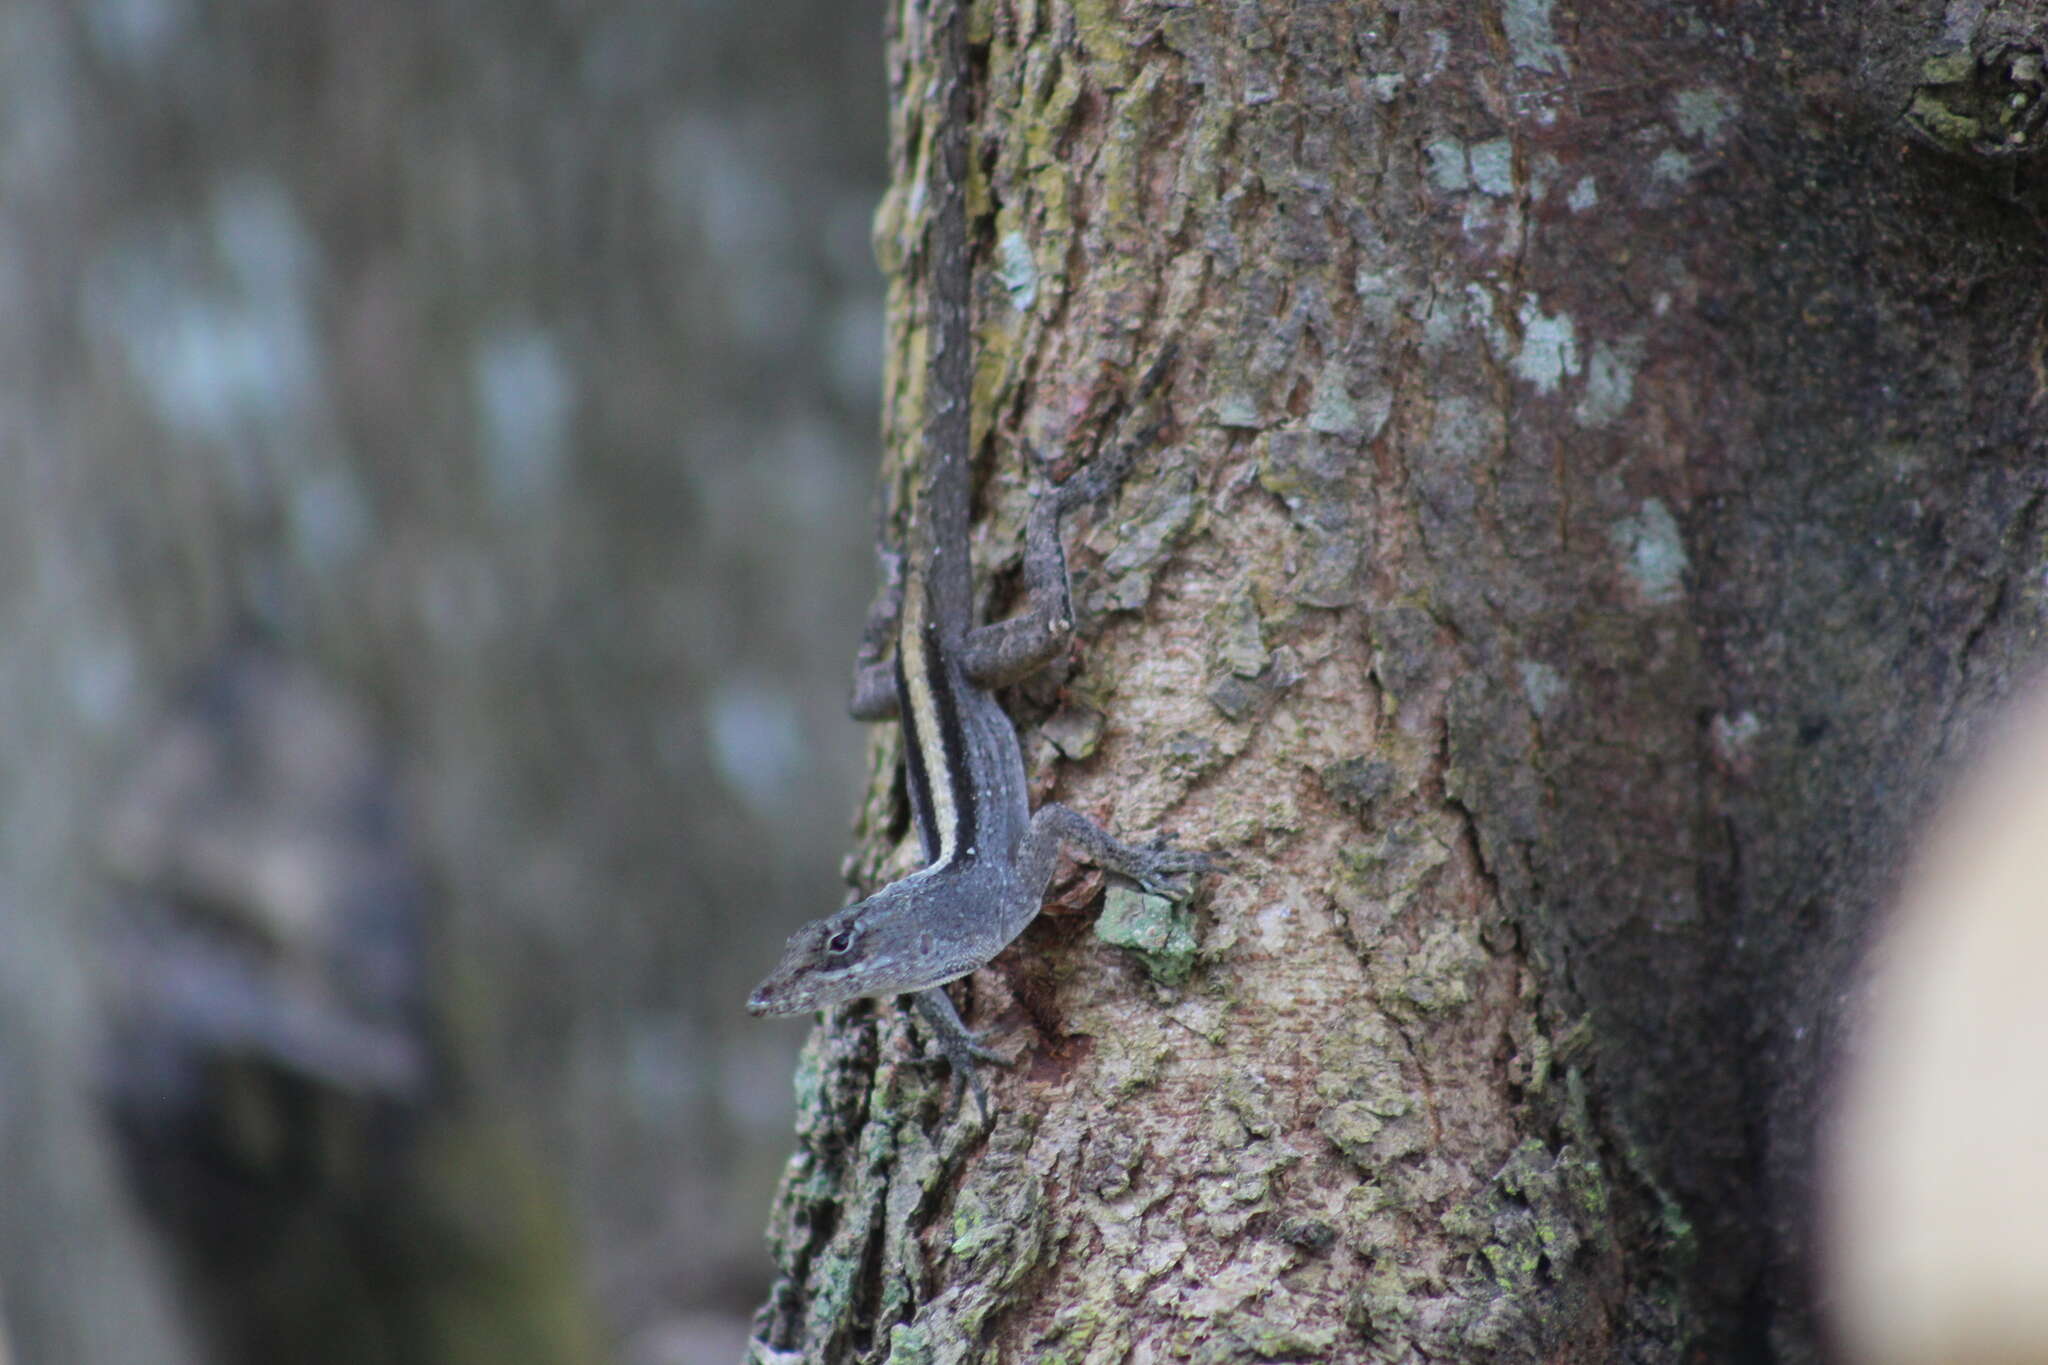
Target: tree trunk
1604, 483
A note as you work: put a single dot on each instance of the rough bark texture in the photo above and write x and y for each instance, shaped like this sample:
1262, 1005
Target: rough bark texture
1605, 483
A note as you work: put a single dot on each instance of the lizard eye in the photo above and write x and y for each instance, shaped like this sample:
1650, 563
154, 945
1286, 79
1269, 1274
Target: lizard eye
840, 941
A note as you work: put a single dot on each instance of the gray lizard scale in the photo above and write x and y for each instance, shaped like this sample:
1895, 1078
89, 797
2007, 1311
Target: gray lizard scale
988, 855
967, 797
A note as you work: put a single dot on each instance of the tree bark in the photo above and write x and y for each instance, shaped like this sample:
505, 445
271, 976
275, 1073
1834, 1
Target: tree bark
1605, 483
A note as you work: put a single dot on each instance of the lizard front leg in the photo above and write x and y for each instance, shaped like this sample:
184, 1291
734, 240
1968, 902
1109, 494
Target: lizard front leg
1158, 867
960, 1045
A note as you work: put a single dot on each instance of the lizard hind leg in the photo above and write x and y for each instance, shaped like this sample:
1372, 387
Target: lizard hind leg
874, 673
1004, 652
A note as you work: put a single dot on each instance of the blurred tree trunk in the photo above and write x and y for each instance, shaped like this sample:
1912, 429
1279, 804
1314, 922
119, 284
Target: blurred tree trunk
506, 370
1605, 484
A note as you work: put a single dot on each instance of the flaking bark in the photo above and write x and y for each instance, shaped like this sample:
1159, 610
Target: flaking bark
1561, 585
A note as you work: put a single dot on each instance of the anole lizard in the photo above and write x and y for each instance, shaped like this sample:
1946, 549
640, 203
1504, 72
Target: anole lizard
989, 856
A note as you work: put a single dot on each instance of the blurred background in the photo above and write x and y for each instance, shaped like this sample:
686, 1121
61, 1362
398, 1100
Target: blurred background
435, 461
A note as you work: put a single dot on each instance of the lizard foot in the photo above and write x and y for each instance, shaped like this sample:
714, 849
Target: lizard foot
1163, 869
962, 1048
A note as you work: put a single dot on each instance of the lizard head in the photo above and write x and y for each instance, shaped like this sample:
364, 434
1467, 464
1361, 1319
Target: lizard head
885, 945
